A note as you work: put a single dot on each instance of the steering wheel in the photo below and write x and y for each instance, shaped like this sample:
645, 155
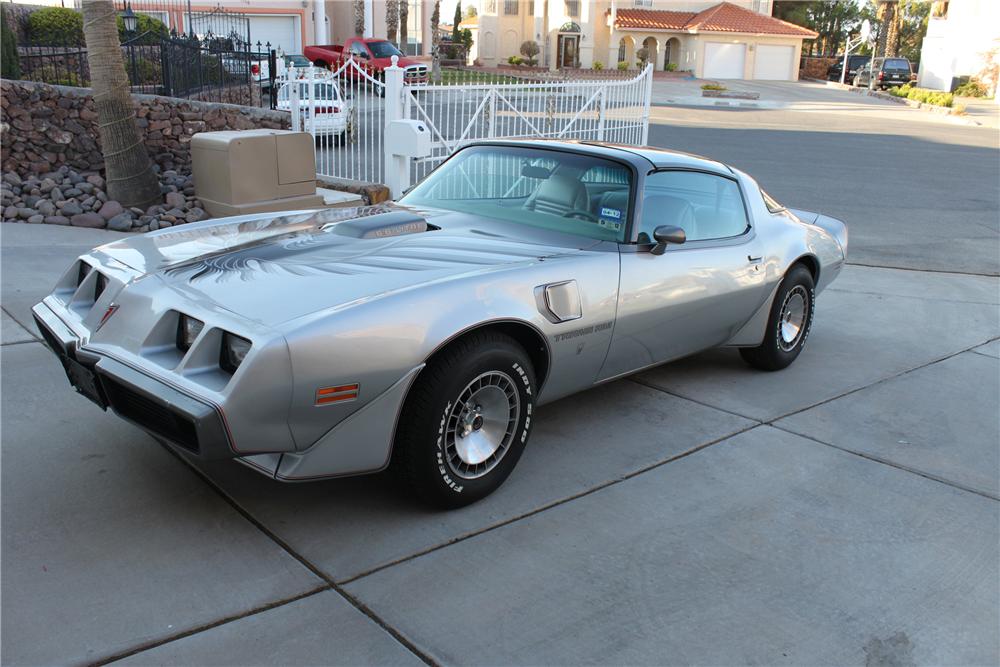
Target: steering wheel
583, 215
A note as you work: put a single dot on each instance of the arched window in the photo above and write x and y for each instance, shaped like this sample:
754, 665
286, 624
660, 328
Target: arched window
621, 50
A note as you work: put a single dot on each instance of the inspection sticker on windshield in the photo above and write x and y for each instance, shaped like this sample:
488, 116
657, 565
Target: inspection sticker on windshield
612, 213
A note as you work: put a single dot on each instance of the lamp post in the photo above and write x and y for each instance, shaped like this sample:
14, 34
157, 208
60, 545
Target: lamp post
130, 19
131, 22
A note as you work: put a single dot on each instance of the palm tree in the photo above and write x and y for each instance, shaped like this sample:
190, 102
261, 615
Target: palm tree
128, 170
435, 39
404, 15
391, 19
359, 18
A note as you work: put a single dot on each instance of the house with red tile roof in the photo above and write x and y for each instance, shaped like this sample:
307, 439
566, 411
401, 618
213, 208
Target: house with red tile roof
738, 39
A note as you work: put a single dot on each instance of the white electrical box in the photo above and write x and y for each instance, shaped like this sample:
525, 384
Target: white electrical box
409, 138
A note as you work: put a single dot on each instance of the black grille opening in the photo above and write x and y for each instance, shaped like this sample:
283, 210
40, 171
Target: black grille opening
148, 413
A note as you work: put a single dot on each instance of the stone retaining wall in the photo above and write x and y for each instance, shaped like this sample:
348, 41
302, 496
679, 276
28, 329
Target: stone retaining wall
44, 127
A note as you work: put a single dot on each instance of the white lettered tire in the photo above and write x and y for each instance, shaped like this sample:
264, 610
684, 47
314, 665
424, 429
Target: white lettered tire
466, 420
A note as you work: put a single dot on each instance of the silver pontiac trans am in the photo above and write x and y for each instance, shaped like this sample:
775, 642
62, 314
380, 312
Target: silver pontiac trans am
424, 335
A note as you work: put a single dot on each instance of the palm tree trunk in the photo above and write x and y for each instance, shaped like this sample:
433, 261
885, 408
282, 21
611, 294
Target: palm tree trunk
128, 170
359, 18
391, 19
435, 38
404, 15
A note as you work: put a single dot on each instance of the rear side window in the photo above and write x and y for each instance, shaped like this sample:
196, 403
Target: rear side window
705, 206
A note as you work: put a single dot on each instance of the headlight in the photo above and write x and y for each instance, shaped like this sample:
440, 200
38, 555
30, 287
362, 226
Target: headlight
234, 351
188, 329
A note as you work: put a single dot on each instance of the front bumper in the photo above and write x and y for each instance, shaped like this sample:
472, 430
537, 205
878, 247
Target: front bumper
181, 420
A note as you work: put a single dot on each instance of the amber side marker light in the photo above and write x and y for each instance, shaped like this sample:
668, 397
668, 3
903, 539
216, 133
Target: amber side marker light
345, 392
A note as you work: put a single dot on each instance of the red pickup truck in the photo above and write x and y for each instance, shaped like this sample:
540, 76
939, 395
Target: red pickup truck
376, 53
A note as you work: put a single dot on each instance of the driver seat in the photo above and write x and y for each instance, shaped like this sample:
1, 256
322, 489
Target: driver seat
558, 195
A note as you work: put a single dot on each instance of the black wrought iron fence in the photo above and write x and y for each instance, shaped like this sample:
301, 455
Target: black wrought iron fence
210, 69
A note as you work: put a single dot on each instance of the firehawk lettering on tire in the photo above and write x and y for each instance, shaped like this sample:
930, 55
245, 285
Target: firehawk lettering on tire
517, 273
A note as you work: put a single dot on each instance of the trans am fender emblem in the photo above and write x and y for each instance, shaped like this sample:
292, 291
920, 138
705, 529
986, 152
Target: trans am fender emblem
112, 309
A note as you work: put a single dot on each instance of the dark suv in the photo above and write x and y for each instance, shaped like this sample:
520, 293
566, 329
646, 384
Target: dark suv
888, 72
854, 63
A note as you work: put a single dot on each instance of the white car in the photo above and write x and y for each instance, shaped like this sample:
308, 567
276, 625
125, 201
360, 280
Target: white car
324, 112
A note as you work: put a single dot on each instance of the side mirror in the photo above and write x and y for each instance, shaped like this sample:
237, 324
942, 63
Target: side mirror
665, 234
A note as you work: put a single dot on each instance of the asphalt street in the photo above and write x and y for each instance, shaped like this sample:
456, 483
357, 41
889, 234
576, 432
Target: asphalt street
843, 511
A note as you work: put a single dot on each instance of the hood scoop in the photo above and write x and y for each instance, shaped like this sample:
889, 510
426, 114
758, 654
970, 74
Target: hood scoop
380, 226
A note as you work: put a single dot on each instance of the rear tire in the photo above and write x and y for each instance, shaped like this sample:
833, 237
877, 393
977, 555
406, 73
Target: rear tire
789, 323
466, 420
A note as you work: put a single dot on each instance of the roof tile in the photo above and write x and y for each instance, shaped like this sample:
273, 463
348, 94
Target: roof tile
724, 17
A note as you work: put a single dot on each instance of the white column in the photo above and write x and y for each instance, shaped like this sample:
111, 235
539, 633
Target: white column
369, 14
397, 167
319, 22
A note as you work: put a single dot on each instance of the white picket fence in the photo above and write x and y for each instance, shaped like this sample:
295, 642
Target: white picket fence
457, 111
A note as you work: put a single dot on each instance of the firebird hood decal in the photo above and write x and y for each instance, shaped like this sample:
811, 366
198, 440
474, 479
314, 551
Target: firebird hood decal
276, 269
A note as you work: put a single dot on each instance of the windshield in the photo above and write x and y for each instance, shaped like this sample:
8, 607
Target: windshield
383, 49
321, 91
555, 190
297, 61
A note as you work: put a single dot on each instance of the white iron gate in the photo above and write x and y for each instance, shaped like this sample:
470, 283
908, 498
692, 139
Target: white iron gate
350, 136
613, 110
344, 110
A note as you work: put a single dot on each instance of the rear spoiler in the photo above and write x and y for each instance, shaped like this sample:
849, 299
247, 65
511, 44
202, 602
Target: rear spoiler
834, 227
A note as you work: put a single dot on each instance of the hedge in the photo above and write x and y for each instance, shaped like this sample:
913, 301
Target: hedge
935, 97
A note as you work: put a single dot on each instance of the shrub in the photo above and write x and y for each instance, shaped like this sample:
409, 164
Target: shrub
515, 60
598, 65
10, 64
958, 109
155, 28
529, 50
641, 55
671, 67
622, 65
923, 95
56, 26
971, 89
56, 76
713, 86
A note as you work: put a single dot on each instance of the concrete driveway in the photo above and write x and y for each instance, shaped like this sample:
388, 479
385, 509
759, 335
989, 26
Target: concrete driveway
844, 511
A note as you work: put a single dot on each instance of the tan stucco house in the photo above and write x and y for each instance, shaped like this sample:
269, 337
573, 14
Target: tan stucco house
727, 40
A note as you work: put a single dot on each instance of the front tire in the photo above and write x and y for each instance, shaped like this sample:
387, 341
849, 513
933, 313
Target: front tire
466, 420
788, 325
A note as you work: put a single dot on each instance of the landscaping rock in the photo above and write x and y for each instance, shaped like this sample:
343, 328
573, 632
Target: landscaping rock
46, 207
12, 178
10, 213
73, 192
111, 209
88, 220
24, 212
56, 220
36, 219
154, 225
175, 200
196, 214
96, 181
56, 195
70, 208
121, 222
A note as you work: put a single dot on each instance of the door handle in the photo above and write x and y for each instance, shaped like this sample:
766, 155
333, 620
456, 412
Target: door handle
755, 260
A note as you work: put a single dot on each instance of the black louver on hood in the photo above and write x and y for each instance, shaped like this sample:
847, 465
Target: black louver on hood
381, 225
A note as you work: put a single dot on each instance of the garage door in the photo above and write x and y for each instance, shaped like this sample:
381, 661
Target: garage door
773, 62
724, 61
281, 31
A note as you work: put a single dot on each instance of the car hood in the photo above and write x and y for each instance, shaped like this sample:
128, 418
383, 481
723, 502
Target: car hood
274, 269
